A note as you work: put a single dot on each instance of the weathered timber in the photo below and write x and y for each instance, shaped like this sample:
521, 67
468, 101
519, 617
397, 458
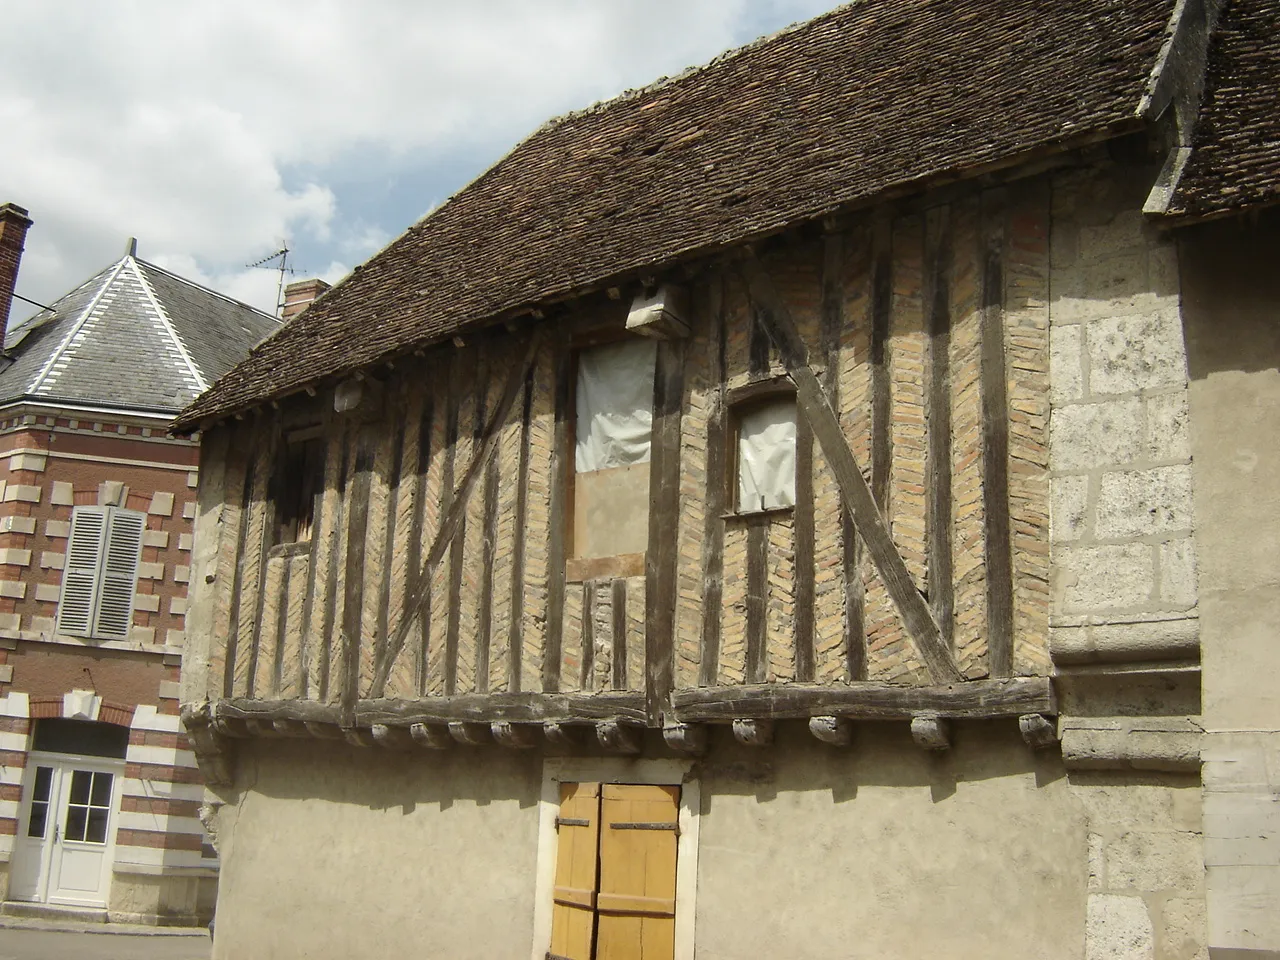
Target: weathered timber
813, 404
237, 578
470, 734
515, 628
664, 505
262, 728
867, 700
392, 738
282, 626
293, 729
516, 736
620, 737
458, 541
586, 680
566, 735
803, 534
394, 482
358, 737
229, 727
757, 597
686, 737
484, 626
931, 733
1039, 732
353, 580
323, 731
937, 304
433, 736
618, 663
753, 733
309, 597
713, 511
421, 629
212, 751
332, 575
995, 447
558, 518
420, 588
273, 497
881, 306
837, 731
757, 348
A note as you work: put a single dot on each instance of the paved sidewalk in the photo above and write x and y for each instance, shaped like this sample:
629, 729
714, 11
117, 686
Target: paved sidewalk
22, 939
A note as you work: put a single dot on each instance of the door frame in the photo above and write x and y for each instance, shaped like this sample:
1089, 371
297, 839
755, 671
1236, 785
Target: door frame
63, 763
556, 771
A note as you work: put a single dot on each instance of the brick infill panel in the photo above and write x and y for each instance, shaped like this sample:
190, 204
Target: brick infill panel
159, 806
158, 738
159, 840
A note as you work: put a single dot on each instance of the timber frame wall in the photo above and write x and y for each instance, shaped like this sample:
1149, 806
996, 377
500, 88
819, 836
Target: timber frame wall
910, 581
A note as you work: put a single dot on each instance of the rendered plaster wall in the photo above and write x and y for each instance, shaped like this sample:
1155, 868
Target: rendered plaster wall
162, 901
805, 851
1231, 292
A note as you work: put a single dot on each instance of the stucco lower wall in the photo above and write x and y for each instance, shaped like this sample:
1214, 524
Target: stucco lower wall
805, 851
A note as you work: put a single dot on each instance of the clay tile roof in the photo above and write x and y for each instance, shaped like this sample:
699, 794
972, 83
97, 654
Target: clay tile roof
1235, 160
874, 95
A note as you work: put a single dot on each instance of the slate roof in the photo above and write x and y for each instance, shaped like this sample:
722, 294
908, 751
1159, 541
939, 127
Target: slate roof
132, 337
1235, 159
875, 95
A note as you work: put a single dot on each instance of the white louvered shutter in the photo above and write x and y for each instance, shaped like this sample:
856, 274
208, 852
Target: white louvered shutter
114, 615
81, 570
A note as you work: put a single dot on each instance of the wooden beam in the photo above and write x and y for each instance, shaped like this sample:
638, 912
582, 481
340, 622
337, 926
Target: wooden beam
995, 446
458, 541
282, 625
237, 577
813, 403
328, 624
421, 630
688, 738
837, 731
881, 400
803, 538
618, 607
664, 518
273, 496
394, 480
514, 736
717, 485
558, 509
937, 305
353, 581
868, 700
757, 654
420, 587
619, 737
587, 661
484, 626
515, 629
565, 735
470, 734
433, 736
308, 599
753, 733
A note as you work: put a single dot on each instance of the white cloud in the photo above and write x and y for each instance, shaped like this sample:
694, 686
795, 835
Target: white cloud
176, 122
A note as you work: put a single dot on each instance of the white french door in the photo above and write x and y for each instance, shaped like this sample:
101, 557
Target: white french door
65, 837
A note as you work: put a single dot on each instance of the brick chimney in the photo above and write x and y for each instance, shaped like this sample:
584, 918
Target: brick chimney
298, 296
13, 234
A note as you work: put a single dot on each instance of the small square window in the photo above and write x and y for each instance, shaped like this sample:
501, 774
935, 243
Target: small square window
765, 451
300, 479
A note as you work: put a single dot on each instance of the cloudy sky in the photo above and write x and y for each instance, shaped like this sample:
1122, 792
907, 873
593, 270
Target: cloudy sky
216, 130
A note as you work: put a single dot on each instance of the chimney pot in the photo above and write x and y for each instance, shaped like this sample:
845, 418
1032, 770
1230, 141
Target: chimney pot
13, 235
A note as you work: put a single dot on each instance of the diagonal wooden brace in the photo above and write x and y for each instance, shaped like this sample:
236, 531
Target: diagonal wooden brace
816, 408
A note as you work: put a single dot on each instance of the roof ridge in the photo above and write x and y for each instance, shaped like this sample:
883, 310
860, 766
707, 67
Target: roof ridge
76, 327
209, 290
167, 323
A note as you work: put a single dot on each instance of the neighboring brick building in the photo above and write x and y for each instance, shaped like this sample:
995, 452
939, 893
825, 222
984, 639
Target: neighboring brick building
96, 509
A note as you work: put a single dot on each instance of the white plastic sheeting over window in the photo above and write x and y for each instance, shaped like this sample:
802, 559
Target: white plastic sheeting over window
767, 456
615, 404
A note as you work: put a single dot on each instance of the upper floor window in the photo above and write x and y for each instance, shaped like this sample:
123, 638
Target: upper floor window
765, 442
613, 436
100, 575
299, 481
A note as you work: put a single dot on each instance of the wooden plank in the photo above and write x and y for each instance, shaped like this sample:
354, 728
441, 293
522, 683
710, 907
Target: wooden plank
717, 485
420, 589
515, 630
587, 661
395, 480
484, 617
937, 304
813, 404
757, 597
558, 517
274, 495
282, 627
881, 307
353, 579
637, 888
867, 700
664, 505
995, 448
804, 547
458, 544
422, 626
313, 555
573, 923
618, 662
237, 580
331, 576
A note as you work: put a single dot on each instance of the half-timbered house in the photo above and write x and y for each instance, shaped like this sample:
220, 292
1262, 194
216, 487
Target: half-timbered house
756, 518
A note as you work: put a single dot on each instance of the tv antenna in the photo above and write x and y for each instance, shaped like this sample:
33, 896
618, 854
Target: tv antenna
282, 266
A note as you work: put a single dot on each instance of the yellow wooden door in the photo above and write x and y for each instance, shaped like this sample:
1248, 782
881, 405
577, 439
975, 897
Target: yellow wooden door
636, 903
573, 919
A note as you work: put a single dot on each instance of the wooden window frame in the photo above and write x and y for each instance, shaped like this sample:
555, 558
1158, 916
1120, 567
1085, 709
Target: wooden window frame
739, 401
611, 770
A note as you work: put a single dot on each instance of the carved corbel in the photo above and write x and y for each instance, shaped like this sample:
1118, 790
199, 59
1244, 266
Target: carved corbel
618, 737
212, 750
470, 734
931, 733
229, 727
258, 727
392, 738
564, 734
358, 737
431, 735
324, 731
837, 731
686, 737
516, 736
753, 733
294, 729
1039, 732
